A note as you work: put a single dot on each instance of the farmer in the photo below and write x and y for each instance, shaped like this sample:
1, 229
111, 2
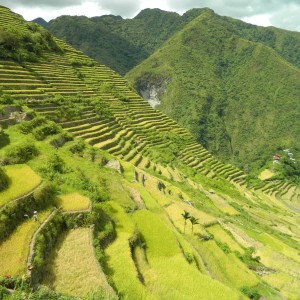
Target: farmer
35, 216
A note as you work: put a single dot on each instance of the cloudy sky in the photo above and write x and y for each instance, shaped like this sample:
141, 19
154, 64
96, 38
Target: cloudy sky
279, 13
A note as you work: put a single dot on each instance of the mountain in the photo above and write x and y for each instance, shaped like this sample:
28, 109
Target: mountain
234, 86
104, 197
40, 21
203, 99
120, 43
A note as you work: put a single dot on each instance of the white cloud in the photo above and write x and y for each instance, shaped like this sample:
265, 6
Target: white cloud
261, 20
88, 8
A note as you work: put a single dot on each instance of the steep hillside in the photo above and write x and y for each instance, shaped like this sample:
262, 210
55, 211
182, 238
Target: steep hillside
103, 197
120, 43
123, 43
235, 94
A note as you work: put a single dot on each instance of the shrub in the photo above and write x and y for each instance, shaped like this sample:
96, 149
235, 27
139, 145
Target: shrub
15, 212
78, 146
41, 132
248, 258
45, 194
60, 139
4, 181
21, 153
56, 164
3, 292
189, 257
6, 99
27, 126
251, 292
45, 241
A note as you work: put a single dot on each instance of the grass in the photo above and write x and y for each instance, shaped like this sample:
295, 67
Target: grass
226, 268
221, 235
119, 260
266, 174
74, 269
283, 283
222, 204
169, 275
22, 180
14, 250
74, 201
176, 209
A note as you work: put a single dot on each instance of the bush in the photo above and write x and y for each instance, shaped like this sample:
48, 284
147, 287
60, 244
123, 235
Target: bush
27, 126
45, 241
4, 180
21, 153
78, 146
14, 213
39, 127
6, 99
56, 164
3, 292
45, 195
251, 292
60, 139
41, 132
248, 258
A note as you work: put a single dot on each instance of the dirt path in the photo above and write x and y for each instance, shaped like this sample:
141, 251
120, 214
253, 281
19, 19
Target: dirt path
33, 241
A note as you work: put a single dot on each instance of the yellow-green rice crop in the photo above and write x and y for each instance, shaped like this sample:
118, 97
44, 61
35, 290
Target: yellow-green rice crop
73, 201
22, 180
119, 260
221, 235
282, 281
169, 275
75, 270
14, 250
226, 268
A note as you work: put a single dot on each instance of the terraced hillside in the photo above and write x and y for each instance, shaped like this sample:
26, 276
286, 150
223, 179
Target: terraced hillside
122, 203
233, 85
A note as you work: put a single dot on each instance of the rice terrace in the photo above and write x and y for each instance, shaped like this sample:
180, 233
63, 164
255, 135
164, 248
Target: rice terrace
104, 197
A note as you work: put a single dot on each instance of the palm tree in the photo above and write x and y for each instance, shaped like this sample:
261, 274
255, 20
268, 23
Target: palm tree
186, 215
194, 221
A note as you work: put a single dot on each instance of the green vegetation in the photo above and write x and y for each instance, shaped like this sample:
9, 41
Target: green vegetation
73, 201
21, 180
4, 181
186, 216
79, 275
219, 78
14, 250
120, 180
25, 45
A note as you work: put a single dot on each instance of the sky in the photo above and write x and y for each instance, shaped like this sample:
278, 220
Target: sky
279, 13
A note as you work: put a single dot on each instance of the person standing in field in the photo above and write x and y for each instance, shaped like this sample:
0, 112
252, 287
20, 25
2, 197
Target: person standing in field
35, 216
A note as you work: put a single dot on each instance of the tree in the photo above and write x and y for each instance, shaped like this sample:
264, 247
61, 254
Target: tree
194, 221
186, 215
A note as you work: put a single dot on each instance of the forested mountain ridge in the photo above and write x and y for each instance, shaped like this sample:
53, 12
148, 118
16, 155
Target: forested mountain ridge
120, 43
221, 79
150, 29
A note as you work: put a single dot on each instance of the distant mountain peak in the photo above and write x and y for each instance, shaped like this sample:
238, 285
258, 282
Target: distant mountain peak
41, 22
145, 13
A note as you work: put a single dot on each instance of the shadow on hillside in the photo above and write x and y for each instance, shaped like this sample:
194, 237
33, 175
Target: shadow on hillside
4, 140
49, 271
